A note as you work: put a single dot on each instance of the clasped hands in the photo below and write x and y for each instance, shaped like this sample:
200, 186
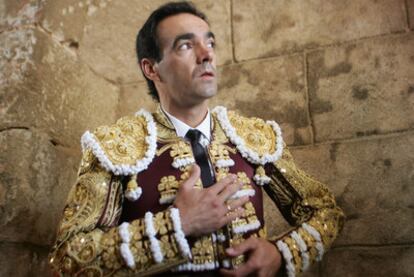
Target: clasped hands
206, 210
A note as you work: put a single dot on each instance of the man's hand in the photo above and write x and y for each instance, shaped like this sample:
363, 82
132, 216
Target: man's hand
203, 211
263, 258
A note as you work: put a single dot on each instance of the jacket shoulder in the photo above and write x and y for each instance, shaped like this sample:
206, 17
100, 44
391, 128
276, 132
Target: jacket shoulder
259, 141
126, 147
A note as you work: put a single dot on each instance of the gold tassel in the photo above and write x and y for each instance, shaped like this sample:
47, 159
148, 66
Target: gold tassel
260, 171
133, 191
132, 184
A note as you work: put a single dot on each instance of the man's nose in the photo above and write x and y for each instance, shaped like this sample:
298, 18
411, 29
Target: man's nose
204, 53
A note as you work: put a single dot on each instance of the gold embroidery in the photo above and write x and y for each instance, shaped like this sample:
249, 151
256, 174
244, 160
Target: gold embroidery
110, 258
218, 135
256, 134
163, 223
220, 152
263, 232
294, 249
168, 187
168, 246
242, 177
249, 216
86, 202
140, 250
124, 142
203, 251
87, 162
221, 173
237, 239
181, 150
185, 176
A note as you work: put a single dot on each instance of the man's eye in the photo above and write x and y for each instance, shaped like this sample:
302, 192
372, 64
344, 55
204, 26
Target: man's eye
211, 44
184, 46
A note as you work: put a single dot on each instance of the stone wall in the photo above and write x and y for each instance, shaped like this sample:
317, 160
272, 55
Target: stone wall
337, 75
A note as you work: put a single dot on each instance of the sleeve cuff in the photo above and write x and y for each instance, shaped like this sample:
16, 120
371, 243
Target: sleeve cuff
300, 248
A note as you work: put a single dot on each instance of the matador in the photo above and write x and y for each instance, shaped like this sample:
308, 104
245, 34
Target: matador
179, 191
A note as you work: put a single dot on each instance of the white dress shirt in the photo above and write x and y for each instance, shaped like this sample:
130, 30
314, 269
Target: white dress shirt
182, 128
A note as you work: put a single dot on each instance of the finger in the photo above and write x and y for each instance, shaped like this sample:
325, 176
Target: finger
230, 216
227, 272
237, 203
192, 179
242, 247
229, 190
242, 270
223, 183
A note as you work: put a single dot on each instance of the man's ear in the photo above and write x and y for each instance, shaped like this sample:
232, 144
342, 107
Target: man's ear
150, 69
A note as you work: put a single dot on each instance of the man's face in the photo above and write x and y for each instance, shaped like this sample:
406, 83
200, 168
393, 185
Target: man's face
187, 69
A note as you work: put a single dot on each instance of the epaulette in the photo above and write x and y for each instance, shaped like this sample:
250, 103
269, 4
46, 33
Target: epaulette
126, 147
258, 141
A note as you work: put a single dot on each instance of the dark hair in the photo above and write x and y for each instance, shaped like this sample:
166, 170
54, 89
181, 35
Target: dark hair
147, 44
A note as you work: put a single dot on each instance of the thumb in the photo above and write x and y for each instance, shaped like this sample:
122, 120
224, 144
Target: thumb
192, 179
240, 248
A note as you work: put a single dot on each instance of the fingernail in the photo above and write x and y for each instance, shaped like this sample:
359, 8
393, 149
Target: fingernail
230, 250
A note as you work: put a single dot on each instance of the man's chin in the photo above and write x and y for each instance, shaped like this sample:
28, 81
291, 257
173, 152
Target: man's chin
208, 91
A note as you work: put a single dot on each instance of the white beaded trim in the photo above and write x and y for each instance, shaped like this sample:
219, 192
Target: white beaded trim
183, 162
287, 255
224, 163
88, 141
261, 180
154, 243
243, 192
124, 248
225, 263
303, 249
221, 237
246, 227
179, 234
315, 234
133, 195
197, 267
167, 200
246, 152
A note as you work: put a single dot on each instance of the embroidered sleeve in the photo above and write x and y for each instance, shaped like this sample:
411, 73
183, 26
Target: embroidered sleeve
89, 242
307, 205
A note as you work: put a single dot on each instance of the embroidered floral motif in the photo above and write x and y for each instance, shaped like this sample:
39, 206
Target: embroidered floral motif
167, 188
252, 144
182, 154
120, 148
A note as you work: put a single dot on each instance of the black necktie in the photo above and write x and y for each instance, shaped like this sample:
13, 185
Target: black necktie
200, 156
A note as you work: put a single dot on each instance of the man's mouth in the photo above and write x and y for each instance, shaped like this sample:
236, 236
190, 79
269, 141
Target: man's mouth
207, 74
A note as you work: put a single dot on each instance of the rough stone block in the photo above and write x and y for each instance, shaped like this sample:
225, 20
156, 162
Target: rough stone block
410, 7
23, 260
134, 97
370, 261
372, 180
266, 28
16, 13
105, 31
269, 89
65, 19
362, 89
35, 177
45, 85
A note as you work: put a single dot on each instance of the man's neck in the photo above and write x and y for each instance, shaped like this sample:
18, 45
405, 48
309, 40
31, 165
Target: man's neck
191, 116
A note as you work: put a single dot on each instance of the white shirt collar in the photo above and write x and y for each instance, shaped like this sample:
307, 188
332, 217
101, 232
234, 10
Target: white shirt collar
182, 128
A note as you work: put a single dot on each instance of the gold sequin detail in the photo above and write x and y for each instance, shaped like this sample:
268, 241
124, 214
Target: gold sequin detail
256, 134
123, 142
